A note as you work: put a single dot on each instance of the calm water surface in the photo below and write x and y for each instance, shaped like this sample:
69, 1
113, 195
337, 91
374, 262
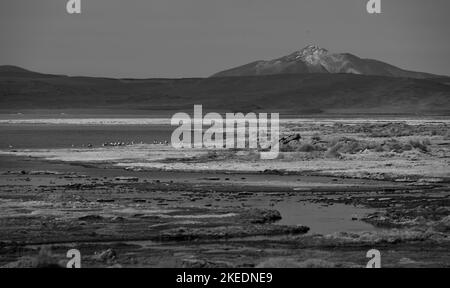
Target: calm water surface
35, 136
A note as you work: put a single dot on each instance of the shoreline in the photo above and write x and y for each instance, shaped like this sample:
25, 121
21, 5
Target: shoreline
386, 186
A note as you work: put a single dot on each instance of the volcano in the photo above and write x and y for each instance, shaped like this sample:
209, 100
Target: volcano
314, 59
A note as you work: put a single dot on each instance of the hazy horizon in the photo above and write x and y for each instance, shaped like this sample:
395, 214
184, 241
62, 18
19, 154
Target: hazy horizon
197, 38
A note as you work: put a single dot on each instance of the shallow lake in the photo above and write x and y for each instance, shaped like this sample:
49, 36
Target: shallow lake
38, 136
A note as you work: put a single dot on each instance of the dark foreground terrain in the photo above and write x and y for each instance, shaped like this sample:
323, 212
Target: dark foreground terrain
119, 218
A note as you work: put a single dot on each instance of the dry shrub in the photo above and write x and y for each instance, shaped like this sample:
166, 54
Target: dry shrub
306, 147
291, 263
393, 145
349, 145
296, 146
447, 135
316, 137
421, 145
332, 152
389, 130
45, 259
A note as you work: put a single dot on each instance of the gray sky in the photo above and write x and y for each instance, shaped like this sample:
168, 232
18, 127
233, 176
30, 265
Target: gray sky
190, 38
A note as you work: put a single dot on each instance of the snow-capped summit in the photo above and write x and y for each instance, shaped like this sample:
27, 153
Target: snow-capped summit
311, 51
314, 59
310, 54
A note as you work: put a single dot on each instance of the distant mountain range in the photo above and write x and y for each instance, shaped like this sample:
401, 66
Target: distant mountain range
8, 71
310, 81
313, 59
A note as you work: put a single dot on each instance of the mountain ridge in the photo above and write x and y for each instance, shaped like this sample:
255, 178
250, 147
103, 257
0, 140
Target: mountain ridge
285, 93
314, 59
16, 71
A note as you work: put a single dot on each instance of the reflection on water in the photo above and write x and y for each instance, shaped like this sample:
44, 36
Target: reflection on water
324, 220
320, 218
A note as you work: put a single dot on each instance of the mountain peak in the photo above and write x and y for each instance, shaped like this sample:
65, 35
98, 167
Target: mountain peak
310, 54
312, 49
314, 59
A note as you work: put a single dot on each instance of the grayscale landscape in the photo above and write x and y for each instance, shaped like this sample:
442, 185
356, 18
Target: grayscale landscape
86, 162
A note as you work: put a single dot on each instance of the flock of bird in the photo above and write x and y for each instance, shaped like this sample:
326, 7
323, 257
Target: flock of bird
119, 143
114, 144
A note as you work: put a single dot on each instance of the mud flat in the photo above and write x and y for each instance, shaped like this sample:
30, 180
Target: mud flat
120, 218
337, 191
